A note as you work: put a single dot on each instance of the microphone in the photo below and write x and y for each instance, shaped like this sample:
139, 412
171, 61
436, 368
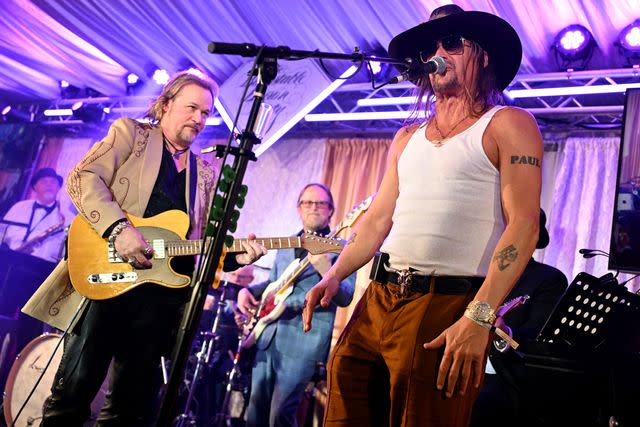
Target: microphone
435, 65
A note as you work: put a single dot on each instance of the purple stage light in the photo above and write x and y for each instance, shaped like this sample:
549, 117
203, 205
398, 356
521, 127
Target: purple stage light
630, 36
64, 84
633, 37
196, 72
573, 47
6, 110
573, 40
161, 77
132, 78
76, 106
629, 43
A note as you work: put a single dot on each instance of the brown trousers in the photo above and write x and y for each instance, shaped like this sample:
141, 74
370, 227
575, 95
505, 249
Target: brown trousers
379, 373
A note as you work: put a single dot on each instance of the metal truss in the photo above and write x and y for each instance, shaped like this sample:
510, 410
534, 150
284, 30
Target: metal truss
588, 99
560, 101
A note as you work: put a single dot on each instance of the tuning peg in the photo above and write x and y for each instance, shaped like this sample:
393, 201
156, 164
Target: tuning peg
223, 186
228, 241
243, 190
228, 173
233, 226
235, 215
218, 201
240, 201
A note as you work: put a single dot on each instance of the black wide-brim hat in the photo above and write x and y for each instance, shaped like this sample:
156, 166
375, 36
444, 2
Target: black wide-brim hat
495, 35
43, 173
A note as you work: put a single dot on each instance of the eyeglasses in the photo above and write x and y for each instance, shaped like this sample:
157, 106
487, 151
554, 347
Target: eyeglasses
453, 44
307, 204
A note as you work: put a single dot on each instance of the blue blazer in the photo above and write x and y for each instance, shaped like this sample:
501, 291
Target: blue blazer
285, 334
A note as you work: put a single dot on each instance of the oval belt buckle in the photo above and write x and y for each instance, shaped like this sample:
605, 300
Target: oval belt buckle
404, 282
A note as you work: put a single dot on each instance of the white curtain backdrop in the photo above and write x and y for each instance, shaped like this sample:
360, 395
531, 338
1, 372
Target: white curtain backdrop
582, 204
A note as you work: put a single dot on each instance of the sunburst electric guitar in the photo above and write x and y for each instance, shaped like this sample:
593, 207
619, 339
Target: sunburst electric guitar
272, 303
97, 271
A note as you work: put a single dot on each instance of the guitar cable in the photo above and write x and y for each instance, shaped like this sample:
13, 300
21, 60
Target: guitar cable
46, 366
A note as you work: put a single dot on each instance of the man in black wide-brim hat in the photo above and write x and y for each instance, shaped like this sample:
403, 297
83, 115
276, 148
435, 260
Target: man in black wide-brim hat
456, 221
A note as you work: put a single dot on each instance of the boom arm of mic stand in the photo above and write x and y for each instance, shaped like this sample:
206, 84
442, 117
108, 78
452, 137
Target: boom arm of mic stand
214, 248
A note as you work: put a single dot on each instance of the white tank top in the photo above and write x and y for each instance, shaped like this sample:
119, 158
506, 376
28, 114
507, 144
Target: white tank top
448, 216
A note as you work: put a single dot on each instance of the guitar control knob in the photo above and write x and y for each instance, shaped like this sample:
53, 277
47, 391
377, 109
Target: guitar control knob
114, 276
121, 276
94, 278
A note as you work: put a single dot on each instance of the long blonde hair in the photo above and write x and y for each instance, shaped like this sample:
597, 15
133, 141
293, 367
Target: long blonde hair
173, 88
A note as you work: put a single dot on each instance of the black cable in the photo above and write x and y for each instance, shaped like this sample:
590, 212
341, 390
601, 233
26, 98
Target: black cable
327, 72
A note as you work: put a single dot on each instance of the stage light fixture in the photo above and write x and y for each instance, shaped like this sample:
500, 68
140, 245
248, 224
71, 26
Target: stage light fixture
161, 76
69, 91
64, 84
629, 43
573, 47
6, 110
132, 78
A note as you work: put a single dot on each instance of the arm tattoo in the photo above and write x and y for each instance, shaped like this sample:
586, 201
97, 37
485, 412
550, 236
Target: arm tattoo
505, 257
525, 160
352, 238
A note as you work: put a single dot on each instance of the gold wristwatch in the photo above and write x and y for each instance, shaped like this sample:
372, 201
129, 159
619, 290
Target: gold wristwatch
480, 311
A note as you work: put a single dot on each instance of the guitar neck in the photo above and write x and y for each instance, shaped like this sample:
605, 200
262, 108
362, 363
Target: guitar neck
194, 247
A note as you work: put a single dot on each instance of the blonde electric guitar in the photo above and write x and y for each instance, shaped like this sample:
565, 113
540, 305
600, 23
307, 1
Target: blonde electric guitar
97, 271
272, 303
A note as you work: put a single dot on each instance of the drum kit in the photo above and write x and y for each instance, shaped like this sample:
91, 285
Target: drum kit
216, 383
24, 373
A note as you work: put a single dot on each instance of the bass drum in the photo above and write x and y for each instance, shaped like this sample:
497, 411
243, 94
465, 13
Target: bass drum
25, 372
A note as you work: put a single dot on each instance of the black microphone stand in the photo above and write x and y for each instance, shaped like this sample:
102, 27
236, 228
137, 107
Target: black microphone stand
266, 71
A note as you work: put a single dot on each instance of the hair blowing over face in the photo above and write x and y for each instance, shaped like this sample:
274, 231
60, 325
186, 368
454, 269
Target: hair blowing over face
486, 89
173, 88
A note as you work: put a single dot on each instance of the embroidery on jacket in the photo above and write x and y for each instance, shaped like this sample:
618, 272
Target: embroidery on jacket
54, 309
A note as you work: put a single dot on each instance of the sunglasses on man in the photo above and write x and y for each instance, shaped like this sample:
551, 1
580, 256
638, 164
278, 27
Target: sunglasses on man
452, 44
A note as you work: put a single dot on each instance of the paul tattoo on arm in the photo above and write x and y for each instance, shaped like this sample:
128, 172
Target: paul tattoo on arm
525, 160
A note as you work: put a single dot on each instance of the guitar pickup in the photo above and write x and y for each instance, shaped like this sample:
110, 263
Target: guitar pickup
105, 278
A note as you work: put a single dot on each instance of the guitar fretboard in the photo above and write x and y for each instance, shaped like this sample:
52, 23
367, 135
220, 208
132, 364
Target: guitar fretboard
194, 247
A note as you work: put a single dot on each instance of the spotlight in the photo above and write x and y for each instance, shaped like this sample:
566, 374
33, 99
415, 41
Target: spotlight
64, 84
629, 43
133, 83
573, 47
132, 78
6, 110
161, 77
76, 106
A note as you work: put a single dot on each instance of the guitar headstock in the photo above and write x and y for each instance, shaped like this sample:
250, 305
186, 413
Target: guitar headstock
320, 245
511, 304
354, 214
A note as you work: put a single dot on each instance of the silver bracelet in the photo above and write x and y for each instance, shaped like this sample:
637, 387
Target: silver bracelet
117, 230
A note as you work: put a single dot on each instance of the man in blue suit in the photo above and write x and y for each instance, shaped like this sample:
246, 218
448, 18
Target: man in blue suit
286, 357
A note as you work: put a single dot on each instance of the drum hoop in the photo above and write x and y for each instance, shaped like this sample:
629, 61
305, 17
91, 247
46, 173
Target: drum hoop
13, 372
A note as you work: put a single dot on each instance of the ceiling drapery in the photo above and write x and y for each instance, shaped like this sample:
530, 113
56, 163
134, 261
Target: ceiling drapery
95, 44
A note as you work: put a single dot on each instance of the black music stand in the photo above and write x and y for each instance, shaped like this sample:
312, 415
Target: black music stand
593, 314
595, 320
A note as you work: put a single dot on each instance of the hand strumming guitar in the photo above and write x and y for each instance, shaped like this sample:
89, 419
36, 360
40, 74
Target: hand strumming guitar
132, 247
246, 302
